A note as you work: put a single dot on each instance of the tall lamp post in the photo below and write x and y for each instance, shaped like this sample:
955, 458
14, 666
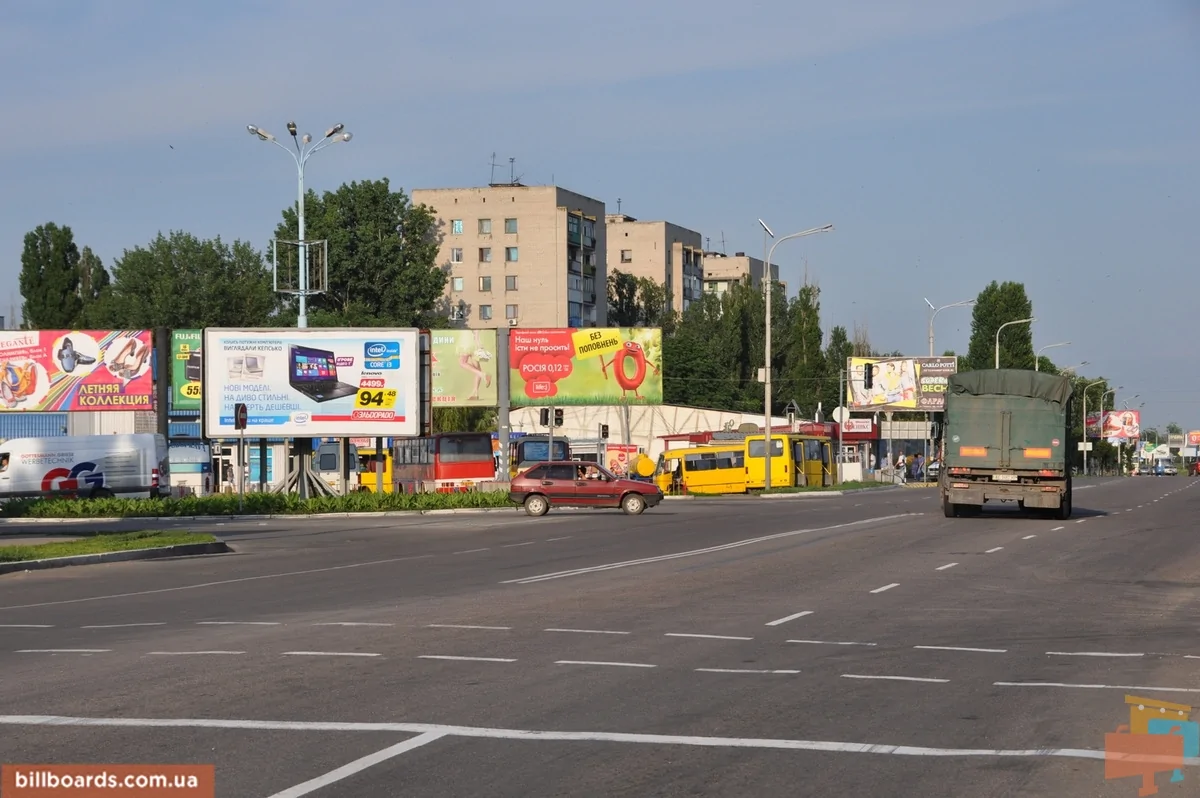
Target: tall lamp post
1037, 358
1076, 367
933, 315
1100, 427
304, 149
767, 344
1001, 327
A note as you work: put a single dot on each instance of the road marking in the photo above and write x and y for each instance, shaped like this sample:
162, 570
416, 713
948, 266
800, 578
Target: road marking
895, 678
65, 651
691, 553
1081, 520
26, 626
514, 545
564, 537
1099, 686
237, 623
1058, 529
189, 653
1089, 654
473, 551
1129, 509
121, 625
792, 617
739, 670
1116, 512
562, 736
219, 583
886, 587
587, 631
467, 626
959, 648
329, 654
358, 765
352, 623
465, 659
946, 566
832, 643
613, 664
707, 637
1029, 537
993, 551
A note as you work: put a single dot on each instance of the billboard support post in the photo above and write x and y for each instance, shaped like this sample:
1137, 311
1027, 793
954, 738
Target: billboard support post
378, 465
162, 387
503, 402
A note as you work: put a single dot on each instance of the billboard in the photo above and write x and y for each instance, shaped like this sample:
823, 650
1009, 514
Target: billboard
76, 370
1175, 439
585, 366
1093, 424
311, 383
464, 368
1122, 425
901, 383
1193, 438
186, 369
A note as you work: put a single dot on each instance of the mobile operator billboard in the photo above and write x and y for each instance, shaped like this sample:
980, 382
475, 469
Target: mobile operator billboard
464, 368
585, 366
187, 372
76, 370
1193, 438
345, 382
900, 383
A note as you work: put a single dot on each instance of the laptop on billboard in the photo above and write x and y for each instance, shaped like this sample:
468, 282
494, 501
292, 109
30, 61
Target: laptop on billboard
313, 372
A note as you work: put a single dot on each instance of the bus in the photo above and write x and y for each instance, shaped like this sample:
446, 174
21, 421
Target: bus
702, 469
327, 462
529, 449
450, 462
368, 470
740, 467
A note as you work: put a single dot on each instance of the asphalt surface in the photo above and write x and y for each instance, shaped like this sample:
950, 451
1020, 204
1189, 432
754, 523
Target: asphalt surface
854, 645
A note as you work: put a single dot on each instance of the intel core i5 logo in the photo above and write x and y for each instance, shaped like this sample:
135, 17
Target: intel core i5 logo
381, 355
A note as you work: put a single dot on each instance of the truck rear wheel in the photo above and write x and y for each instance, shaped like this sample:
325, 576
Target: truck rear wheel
1064, 509
949, 508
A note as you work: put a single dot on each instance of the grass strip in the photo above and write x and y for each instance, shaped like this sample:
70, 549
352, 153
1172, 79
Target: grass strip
102, 544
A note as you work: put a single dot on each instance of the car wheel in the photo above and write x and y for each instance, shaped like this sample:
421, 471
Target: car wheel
633, 504
537, 505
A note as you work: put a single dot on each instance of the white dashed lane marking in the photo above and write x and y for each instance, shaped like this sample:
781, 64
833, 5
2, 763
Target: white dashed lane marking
706, 637
831, 643
963, 648
741, 670
587, 631
464, 659
946, 566
791, 617
468, 626
886, 587
895, 678
604, 664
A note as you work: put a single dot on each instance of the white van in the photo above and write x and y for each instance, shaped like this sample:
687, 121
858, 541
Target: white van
85, 466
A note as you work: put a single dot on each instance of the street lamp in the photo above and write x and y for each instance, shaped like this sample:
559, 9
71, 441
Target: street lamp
1001, 327
1072, 369
305, 149
933, 315
1037, 359
1086, 388
767, 344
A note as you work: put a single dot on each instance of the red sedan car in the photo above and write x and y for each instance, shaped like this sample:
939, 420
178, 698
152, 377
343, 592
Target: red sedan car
575, 483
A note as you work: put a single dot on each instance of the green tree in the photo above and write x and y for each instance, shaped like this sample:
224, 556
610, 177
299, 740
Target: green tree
181, 281
383, 266
712, 358
1173, 428
997, 304
802, 362
94, 282
464, 419
49, 279
1047, 365
838, 351
638, 302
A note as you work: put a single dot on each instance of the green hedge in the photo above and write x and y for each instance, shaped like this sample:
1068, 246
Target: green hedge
255, 504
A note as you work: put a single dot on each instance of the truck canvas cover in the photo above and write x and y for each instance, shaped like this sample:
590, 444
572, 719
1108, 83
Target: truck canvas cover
1007, 419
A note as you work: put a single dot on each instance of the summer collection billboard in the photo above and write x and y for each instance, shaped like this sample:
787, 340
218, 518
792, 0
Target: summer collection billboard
901, 383
186, 369
75, 370
585, 366
312, 382
464, 368
1122, 425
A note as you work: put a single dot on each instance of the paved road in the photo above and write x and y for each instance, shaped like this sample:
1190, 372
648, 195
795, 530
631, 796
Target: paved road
859, 645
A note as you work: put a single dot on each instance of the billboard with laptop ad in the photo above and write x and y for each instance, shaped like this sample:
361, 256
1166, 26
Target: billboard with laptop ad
312, 382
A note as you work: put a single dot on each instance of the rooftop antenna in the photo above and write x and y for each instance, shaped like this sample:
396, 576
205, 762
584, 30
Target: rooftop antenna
618, 206
708, 243
723, 252
512, 179
492, 179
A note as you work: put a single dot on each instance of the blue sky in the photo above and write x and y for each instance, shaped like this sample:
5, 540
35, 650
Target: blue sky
951, 142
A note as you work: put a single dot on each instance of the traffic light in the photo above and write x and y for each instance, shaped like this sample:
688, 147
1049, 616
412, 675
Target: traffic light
868, 375
604, 431
545, 416
558, 417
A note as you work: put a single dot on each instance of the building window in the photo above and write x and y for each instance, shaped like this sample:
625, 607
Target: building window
485, 227
485, 312
457, 283
510, 311
510, 282
510, 254
456, 255
627, 256
485, 254
485, 283
456, 227
510, 226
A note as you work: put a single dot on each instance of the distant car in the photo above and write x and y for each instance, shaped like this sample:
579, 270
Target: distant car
935, 468
577, 483
1170, 470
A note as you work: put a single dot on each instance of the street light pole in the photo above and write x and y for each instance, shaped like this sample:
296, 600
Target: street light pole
1086, 388
1037, 358
933, 315
305, 149
1001, 327
1077, 366
767, 346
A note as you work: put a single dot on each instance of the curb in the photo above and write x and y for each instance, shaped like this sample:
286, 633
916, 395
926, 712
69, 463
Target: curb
190, 549
295, 517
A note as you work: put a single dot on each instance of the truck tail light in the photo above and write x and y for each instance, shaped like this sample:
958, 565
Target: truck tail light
154, 477
1049, 490
959, 470
1047, 472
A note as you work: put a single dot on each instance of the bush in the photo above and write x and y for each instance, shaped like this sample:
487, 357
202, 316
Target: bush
254, 504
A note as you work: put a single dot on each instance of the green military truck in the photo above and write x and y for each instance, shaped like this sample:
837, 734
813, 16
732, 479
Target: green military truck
1005, 438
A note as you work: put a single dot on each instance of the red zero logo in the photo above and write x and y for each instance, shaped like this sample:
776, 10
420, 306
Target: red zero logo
1054, 442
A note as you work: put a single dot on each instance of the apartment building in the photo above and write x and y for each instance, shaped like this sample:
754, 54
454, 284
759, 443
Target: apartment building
666, 253
521, 256
721, 271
